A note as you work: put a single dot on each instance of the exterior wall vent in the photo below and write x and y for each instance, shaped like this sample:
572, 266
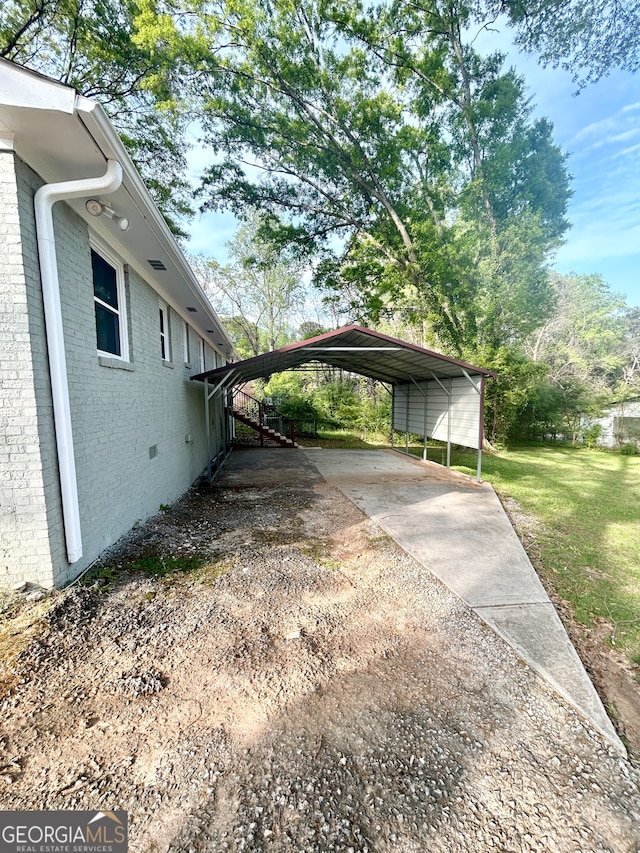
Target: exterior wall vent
193, 310
157, 265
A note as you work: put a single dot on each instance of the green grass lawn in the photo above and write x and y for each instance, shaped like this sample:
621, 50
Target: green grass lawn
346, 439
588, 505
588, 502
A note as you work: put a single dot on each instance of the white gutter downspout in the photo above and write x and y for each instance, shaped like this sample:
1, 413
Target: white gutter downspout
44, 200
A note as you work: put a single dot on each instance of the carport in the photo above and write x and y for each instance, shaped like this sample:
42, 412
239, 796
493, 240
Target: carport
433, 396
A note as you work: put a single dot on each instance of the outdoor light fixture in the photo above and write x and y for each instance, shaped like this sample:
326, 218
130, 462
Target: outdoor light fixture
97, 207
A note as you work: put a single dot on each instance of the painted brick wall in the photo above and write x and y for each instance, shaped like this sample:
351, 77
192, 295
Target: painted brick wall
24, 529
119, 410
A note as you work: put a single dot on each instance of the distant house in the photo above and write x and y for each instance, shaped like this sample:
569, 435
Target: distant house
102, 323
620, 424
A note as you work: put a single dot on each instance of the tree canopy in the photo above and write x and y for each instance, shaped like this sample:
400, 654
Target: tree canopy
258, 293
381, 143
583, 356
586, 39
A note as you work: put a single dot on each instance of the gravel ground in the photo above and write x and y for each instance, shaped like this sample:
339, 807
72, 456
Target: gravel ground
309, 688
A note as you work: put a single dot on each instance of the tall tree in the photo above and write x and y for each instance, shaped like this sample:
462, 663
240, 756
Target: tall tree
630, 351
580, 352
258, 293
397, 153
581, 339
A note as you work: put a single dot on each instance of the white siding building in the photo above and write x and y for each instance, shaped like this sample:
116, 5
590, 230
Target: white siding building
101, 327
620, 424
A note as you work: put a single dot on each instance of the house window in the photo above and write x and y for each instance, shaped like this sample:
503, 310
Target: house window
164, 332
108, 296
186, 343
201, 353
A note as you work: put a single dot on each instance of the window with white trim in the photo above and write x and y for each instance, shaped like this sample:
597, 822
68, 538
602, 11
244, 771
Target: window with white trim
165, 348
185, 343
201, 354
109, 302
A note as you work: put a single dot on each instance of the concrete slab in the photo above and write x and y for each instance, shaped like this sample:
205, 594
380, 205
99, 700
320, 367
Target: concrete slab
457, 529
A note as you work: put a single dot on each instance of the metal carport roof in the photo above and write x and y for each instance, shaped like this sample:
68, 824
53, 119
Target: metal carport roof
352, 348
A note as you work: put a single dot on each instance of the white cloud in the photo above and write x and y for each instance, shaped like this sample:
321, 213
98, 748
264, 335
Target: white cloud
592, 241
626, 152
616, 128
596, 129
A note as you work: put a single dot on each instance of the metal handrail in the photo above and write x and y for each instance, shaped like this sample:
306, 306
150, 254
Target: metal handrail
265, 415
247, 405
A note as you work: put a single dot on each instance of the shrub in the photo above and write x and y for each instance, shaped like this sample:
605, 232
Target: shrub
630, 448
591, 434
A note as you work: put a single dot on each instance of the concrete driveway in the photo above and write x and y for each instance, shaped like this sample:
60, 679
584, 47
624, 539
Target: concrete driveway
457, 529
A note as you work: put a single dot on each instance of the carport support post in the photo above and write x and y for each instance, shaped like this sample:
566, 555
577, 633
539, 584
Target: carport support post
207, 428
406, 423
481, 431
424, 450
448, 392
227, 414
424, 394
393, 413
449, 424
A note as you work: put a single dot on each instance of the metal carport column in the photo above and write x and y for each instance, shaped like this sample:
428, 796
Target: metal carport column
208, 396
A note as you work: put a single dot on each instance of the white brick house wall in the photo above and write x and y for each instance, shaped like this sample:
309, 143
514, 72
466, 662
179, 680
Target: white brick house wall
119, 409
25, 547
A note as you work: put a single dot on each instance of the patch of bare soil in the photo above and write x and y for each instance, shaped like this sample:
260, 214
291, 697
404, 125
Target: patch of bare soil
309, 687
615, 677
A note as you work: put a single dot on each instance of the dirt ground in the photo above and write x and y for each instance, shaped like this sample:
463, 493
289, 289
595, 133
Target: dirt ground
303, 685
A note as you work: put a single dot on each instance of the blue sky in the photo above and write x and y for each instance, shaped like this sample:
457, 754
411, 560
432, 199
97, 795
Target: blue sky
600, 130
